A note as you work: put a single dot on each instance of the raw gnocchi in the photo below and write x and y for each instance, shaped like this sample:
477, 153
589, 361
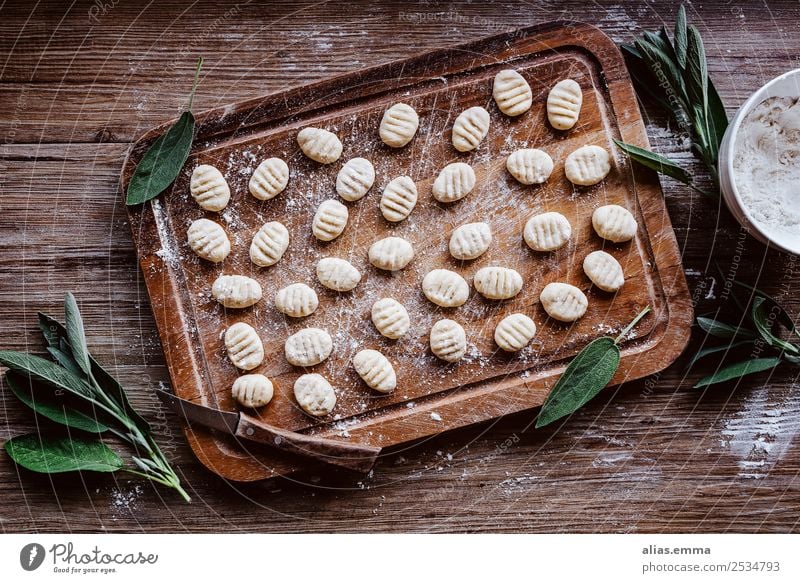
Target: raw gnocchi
269, 244
498, 283
604, 271
390, 318
614, 223
330, 220
314, 394
514, 332
563, 301
236, 291
469, 129
375, 370
547, 231
243, 346
269, 179
354, 179
587, 165
320, 145
564, 104
448, 340
337, 274
530, 166
512, 93
398, 125
470, 241
308, 347
208, 240
252, 390
445, 288
454, 182
209, 188
391, 253
399, 199
296, 300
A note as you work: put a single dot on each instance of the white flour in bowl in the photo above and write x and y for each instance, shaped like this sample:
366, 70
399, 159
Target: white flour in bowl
766, 167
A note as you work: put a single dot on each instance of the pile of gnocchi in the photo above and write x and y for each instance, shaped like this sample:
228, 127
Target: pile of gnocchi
545, 233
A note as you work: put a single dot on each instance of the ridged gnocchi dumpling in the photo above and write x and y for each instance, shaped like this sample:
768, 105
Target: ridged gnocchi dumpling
244, 347
530, 166
375, 370
399, 199
252, 390
454, 182
308, 347
296, 300
398, 125
445, 288
320, 145
512, 93
209, 188
390, 318
208, 240
354, 179
329, 220
514, 332
470, 241
314, 394
604, 271
448, 340
469, 129
564, 104
269, 244
614, 223
391, 253
497, 283
587, 165
563, 302
337, 274
269, 179
547, 231
236, 291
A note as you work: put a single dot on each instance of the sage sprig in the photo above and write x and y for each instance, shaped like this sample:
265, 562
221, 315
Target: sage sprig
161, 164
585, 376
760, 330
674, 72
75, 392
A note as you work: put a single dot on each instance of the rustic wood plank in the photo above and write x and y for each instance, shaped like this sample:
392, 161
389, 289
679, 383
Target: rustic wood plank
655, 456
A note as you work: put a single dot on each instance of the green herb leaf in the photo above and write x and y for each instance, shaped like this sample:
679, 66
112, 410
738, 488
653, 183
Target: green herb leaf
716, 115
737, 370
680, 40
714, 349
49, 407
723, 330
65, 360
75, 333
760, 313
655, 162
52, 455
48, 372
666, 69
784, 319
163, 161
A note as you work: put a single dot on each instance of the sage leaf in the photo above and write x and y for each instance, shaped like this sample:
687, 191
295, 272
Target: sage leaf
48, 372
655, 162
680, 40
714, 349
76, 336
738, 370
164, 159
53, 455
696, 68
723, 330
717, 116
51, 408
760, 313
584, 377
65, 360
784, 319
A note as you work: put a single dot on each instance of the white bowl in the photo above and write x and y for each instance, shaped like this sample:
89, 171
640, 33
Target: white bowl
787, 85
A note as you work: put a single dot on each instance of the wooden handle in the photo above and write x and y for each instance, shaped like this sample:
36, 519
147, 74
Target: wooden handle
352, 456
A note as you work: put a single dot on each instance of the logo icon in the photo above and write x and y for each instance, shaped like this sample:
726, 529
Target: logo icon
31, 556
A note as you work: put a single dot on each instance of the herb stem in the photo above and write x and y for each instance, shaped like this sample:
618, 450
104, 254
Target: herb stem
196, 80
630, 326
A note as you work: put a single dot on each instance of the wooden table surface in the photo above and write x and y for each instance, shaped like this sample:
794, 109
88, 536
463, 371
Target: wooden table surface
79, 83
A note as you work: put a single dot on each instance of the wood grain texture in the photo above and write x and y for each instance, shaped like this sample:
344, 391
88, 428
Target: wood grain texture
653, 456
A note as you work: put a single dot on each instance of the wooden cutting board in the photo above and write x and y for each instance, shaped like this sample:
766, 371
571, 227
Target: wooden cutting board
431, 396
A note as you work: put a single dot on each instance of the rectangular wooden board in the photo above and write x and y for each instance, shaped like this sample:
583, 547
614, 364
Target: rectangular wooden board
431, 396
